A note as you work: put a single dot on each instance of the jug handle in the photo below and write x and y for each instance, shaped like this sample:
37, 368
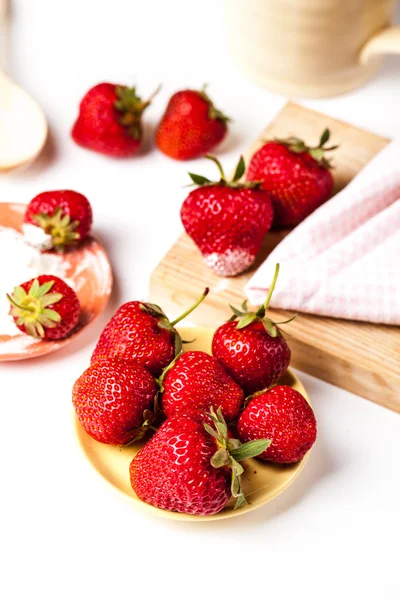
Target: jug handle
384, 42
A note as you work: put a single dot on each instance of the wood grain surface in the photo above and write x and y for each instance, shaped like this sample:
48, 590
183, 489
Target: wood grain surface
360, 357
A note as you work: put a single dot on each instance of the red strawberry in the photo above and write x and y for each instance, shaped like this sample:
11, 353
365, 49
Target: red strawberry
109, 120
45, 307
297, 177
191, 467
191, 126
197, 381
252, 350
112, 399
64, 214
284, 415
141, 332
227, 220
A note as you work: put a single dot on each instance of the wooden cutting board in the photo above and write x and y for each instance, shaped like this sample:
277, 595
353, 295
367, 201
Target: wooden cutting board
360, 357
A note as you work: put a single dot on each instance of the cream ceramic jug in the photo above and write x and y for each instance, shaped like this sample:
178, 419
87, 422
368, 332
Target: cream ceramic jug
310, 47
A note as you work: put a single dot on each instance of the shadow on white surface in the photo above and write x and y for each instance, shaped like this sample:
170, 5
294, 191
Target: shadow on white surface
148, 144
48, 156
233, 142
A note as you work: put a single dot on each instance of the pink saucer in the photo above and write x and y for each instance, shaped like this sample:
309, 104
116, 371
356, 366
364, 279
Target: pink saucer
87, 266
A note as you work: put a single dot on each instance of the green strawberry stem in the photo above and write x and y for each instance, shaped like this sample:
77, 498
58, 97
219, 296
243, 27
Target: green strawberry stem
150, 418
60, 227
30, 309
246, 317
231, 452
189, 310
264, 307
14, 303
131, 107
153, 95
213, 112
163, 321
200, 180
298, 146
216, 161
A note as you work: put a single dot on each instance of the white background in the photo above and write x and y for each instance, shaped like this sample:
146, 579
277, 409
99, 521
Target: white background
335, 532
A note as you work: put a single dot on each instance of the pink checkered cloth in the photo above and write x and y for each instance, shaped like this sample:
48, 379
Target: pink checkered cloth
344, 260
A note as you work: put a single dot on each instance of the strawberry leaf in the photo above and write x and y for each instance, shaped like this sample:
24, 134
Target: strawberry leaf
270, 327
246, 320
324, 137
250, 449
241, 500
236, 311
161, 379
199, 179
317, 153
239, 169
211, 431
220, 458
234, 183
153, 309
178, 344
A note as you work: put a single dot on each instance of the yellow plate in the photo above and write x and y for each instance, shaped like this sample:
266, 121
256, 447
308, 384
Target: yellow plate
261, 481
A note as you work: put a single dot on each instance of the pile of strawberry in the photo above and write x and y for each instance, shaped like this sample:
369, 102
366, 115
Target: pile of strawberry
209, 412
228, 220
47, 307
286, 179
110, 122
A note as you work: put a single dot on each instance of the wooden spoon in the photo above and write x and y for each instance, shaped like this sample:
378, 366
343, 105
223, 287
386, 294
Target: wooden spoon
23, 127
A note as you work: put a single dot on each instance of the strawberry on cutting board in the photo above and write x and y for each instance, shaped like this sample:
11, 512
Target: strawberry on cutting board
227, 220
191, 126
251, 348
110, 120
297, 177
283, 415
45, 307
197, 381
112, 399
64, 214
141, 332
191, 465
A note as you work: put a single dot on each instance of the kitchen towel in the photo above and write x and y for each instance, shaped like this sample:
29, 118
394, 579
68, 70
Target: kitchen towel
344, 260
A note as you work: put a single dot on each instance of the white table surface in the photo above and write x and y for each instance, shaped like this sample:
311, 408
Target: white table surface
335, 532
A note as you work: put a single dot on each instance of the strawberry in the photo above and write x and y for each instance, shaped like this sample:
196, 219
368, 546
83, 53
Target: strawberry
141, 332
191, 465
198, 381
113, 399
191, 126
109, 120
252, 349
45, 307
64, 214
227, 220
297, 177
284, 415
